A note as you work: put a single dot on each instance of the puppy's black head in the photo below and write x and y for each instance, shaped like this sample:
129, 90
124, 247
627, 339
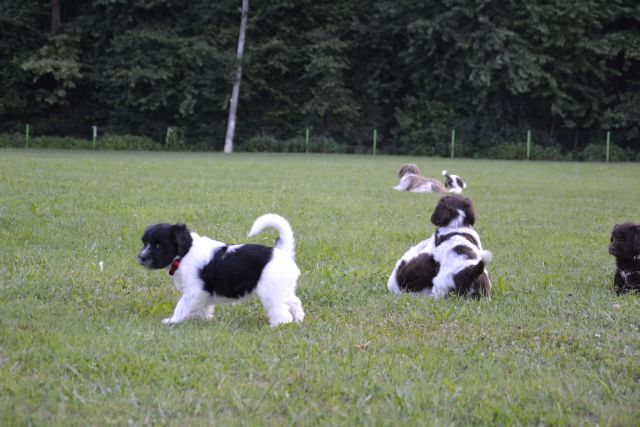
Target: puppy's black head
448, 181
162, 243
625, 241
453, 181
454, 211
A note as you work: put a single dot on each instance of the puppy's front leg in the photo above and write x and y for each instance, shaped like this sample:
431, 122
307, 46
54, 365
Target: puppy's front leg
441, 285
188, 306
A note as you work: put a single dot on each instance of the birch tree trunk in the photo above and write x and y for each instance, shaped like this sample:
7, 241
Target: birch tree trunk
231, 124
55, 16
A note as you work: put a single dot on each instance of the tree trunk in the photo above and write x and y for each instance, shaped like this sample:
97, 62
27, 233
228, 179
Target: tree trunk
231, 124
55, 16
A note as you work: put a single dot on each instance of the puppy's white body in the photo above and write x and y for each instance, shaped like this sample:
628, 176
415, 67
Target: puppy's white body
452, 262
275, 288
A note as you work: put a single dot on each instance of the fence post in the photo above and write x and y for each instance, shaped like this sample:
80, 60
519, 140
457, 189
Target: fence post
375, 140
26, 136
95, 135
453, 142
306, 140
608, 144
529, 144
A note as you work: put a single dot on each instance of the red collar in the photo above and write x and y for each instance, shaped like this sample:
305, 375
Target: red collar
174, 266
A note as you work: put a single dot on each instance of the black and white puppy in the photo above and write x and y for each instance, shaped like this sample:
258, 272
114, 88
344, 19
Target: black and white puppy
208, 272
625, 246
452, 259
453, 183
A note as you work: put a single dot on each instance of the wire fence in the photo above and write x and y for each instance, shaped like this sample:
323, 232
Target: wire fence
509, 143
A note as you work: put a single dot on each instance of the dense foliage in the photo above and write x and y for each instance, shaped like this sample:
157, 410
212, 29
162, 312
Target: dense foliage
413, 70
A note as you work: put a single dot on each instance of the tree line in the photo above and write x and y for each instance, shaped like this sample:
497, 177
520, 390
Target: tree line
413, 70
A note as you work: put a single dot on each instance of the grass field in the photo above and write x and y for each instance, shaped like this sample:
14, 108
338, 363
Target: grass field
85, 346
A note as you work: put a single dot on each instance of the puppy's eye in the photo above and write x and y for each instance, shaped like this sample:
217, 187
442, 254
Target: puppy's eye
158, 245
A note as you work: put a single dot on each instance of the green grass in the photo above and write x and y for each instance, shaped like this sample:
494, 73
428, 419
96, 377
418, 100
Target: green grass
79, 346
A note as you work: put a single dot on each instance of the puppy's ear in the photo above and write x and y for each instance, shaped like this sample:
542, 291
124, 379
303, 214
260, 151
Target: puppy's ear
443, 213
469, 212
182, 237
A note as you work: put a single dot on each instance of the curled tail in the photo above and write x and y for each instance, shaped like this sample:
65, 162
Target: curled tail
285, 240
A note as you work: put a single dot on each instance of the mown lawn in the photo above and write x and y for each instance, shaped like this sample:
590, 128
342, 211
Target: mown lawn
85, 346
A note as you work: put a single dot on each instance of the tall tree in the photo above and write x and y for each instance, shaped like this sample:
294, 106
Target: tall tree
55, 16
235, 93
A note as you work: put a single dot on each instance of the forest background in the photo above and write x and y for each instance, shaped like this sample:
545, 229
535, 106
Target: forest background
568, 71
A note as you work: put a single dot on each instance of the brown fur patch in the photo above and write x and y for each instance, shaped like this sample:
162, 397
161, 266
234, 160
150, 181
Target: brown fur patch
417, 274
418, 182
408, 168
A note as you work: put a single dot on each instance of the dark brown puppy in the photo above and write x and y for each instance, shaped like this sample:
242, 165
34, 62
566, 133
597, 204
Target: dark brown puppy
625, 246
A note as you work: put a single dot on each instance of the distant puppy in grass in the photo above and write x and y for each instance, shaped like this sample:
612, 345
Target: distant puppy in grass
411, 180
625, 246
208, 272
452, 259
454, 183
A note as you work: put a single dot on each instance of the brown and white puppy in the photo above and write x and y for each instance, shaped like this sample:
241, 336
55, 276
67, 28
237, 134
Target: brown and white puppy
411, 180
625, 246
452, 259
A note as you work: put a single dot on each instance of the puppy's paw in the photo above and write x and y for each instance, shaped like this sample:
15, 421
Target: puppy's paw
280, 320
203, 315
438, 292
168, 321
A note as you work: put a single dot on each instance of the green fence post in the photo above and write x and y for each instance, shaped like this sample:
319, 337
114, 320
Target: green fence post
306, 140
453, 142
375, 141
26, 136
95, 135
608, 144
529, 144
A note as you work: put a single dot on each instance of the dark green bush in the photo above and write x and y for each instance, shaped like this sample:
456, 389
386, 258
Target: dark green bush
549, 152
258, 143
296, 145
505, 151
59, 142
106, 142
597, 153
125, 142
268, 143
323, 144
11, 140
